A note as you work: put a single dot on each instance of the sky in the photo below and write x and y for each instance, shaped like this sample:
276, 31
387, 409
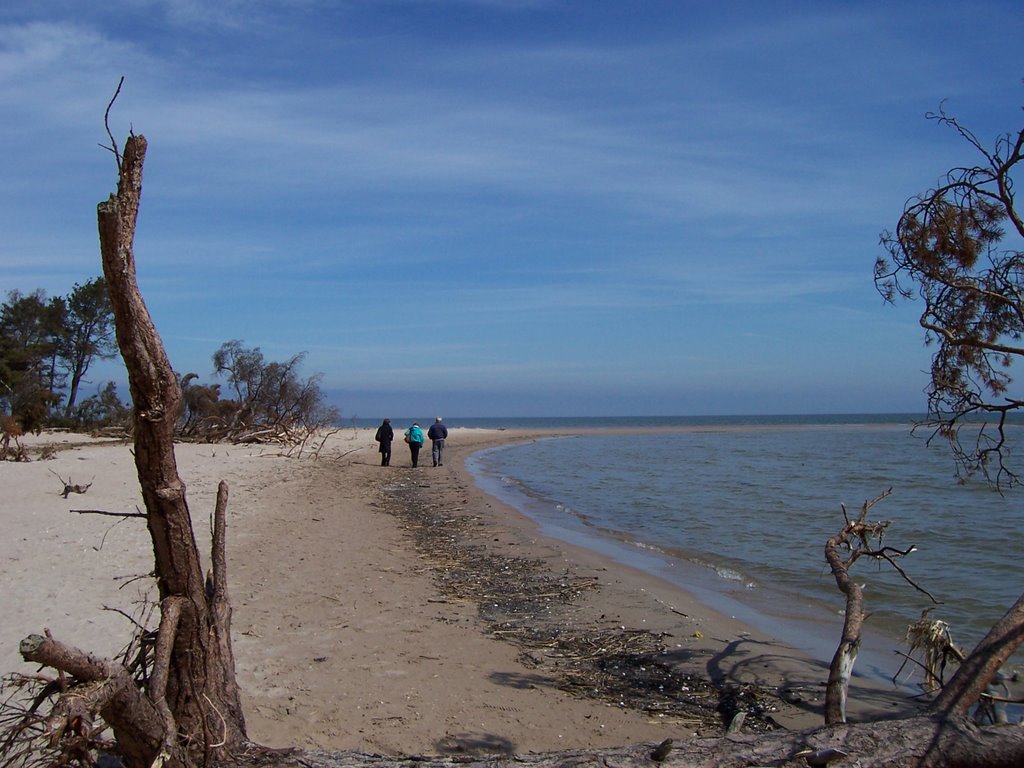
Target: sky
508, 207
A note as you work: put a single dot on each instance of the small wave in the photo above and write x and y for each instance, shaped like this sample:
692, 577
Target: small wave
644, 545
730, 574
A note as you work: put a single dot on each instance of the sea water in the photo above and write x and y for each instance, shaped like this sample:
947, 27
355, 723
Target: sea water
737, 511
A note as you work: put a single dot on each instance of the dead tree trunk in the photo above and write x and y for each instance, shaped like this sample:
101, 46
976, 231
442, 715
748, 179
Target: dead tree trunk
188, 710
193, 683
841, 668
854, 541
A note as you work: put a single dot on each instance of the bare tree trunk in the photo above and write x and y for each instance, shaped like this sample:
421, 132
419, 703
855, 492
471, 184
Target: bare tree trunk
76, 382
194, 682
845, 657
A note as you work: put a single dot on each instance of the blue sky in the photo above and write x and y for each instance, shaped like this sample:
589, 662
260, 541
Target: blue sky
508, 207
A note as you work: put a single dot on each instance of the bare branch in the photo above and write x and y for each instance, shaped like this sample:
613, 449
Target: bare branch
105, 513
219, 555
106, 124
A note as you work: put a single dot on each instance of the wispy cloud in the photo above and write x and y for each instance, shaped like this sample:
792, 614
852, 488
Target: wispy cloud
501, 190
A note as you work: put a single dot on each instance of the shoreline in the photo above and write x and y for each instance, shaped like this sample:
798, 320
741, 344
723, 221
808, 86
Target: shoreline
763, 608
775, 667
345, 636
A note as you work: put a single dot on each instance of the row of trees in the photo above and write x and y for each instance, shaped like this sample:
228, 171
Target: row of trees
268, 400
47, 347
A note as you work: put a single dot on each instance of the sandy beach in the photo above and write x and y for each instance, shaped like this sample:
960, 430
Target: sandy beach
348, 631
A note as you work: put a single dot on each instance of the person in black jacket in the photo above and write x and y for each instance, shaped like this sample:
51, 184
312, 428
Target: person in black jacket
385, 434
437, 433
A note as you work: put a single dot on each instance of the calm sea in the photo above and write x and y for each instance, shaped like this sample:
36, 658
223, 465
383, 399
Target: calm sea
738, 509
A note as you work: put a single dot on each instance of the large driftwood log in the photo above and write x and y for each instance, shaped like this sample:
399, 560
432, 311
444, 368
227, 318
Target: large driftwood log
913, 743
177, 704
105, 688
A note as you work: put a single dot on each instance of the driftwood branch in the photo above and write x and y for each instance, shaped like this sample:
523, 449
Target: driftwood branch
977, 671
70, 487
105, 513
170, 615
109, 692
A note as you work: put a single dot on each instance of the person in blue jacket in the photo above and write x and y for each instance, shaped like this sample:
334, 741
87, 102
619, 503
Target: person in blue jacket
437, 434
414, 437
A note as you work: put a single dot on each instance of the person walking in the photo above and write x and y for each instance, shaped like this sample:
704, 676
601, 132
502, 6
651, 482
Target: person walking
437, 434
414, 437
385, 434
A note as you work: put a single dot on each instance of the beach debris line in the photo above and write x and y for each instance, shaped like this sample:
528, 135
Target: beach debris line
525, 602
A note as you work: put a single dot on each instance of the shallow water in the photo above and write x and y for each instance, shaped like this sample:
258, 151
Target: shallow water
739, 512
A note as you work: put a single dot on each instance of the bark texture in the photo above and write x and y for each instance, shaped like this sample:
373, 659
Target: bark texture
841, 668
104, 688
195, 686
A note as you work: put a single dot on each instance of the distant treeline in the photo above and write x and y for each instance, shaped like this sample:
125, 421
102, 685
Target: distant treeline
47, 346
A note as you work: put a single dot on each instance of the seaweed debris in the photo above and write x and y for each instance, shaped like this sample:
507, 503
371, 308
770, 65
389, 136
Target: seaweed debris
525, 602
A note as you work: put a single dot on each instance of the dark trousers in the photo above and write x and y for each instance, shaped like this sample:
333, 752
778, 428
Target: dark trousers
385, 455
414, 450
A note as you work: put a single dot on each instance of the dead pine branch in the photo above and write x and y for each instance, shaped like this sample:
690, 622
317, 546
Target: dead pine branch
106, 124
320, 437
